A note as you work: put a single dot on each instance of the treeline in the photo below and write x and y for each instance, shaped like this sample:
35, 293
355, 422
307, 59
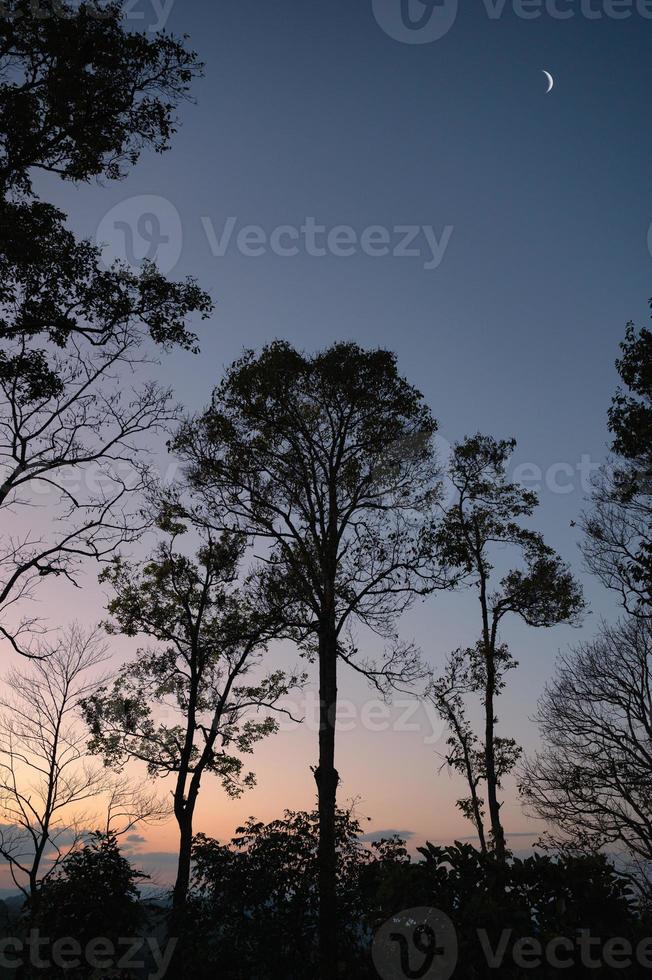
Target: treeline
324, 466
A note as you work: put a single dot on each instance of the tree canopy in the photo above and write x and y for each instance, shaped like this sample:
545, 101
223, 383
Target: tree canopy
80, 96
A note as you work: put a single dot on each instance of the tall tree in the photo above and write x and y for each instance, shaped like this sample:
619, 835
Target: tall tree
484, 519
327, 461
47, 777
209, 638
80, 96
592, 779
464, 755
618, 545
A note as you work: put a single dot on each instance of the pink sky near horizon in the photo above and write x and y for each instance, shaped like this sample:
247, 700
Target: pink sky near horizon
389, 759
389, 756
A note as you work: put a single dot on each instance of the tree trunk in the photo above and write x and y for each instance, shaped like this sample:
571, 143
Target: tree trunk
177, 924
475, 802
489, 648
490, 760
478, 821
182, 883
471, 779
327, 778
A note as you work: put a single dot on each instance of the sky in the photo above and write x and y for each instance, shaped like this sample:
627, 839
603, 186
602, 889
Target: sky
327, 140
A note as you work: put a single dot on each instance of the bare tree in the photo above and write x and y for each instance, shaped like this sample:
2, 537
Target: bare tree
618, 535
128, 804
47, 776
72, 460
80, 96
592, 780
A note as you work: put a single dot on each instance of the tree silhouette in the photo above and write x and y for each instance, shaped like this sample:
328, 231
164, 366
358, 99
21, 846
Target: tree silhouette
80, 96
464, 754
618, 545
592, 779
485, 515
91, 902
328, 461
47, 777
258, 892
210, 637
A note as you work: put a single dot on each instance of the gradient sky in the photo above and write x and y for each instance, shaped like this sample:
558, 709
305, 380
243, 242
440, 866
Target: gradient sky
312, 110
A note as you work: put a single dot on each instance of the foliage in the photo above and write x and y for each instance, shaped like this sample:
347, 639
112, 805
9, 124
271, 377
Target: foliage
212, 637
329, 458
209, 637
83, 95
618, 546
259, 893
255, 901
539, 897
93, 894
328, 462
486, 518
80, 96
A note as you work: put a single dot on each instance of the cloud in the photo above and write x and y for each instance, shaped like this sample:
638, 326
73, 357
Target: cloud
159, 857
161, 866
21, 844
376, 835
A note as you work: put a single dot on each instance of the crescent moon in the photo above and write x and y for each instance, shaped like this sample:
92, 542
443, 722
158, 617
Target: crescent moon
551, 82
